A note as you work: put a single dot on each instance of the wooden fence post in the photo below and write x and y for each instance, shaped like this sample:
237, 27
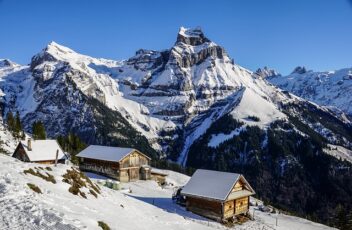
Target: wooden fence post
56, 158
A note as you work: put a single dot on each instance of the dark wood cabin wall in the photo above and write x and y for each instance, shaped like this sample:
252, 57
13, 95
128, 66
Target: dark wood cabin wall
20, 154
107, 168
203, 207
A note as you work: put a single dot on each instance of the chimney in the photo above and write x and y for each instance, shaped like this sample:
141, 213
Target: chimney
29, 144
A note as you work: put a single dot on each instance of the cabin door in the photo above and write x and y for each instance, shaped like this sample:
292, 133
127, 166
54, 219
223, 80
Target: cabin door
133, 174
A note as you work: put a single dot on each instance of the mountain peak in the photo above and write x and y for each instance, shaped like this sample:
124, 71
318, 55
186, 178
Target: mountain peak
7, 63
53, 52
300, 70
55, 48
267, 72
191, 36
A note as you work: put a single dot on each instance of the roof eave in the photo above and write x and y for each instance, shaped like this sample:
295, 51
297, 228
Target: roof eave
203, 197
98, 159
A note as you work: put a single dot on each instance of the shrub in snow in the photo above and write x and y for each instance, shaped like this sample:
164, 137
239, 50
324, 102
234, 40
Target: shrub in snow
48, 177
103, 225
48, 168
93, 193
78, 180
74, 189
82, 194
34, 188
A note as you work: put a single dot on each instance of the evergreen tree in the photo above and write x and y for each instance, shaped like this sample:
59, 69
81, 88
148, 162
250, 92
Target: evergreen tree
10, 121
71, 144
349, 221
17, 126
38, 131
343, 218
14, 124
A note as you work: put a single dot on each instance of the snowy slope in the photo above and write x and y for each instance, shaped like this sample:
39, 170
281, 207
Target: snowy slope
148, 206
7, 142
330, 88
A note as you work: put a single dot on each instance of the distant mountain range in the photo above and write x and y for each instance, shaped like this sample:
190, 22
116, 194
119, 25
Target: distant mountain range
291, 135
332, 89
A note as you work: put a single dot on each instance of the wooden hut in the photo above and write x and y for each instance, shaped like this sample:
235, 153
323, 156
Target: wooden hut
123, 164
40, 151
158, 175
217, 195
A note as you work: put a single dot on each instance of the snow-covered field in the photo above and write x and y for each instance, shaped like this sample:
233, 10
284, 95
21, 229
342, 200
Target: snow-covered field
147, 206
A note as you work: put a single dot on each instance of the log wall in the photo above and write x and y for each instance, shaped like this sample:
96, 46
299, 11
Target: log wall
106, 168
229, 207
241, 205
203, 207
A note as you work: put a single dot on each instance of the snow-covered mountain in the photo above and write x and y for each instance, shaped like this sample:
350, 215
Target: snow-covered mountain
331, 88
158, 93
167, 96
192, 104
60, 89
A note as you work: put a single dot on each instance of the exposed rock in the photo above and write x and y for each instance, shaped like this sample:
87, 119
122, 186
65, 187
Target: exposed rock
7, 63
267, 72
193, 37
300, 70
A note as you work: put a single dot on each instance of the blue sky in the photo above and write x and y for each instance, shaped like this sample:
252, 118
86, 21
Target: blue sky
278, 33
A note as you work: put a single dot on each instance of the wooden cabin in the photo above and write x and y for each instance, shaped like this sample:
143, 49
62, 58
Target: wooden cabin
158, 175
123, 164
217, 195
40, 151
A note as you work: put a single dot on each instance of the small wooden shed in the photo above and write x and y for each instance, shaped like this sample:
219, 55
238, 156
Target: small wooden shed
159, 176
123, 164
39, 151
217, 195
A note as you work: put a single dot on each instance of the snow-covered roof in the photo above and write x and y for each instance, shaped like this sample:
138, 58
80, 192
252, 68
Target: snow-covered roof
212, 184
159, 172
43, 150
105, 153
